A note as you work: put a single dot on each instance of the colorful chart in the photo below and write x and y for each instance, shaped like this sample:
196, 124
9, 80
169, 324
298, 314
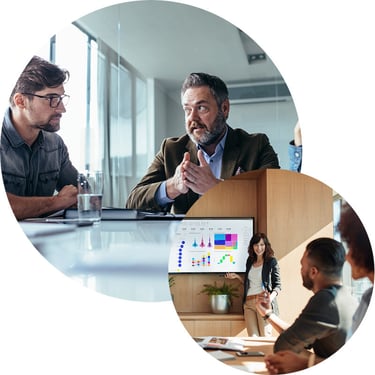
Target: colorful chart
203, 261
211, 245
227, 258
226, 241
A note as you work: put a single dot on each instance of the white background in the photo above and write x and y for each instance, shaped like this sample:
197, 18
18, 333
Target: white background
325, 52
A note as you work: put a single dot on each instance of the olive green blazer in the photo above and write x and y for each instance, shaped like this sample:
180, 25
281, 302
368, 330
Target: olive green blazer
243, 152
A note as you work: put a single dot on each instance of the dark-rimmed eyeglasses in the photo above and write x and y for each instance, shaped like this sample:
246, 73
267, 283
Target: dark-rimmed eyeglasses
54, 100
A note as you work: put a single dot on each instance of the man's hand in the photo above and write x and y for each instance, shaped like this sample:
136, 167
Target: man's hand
198, 178
67, 196
176, 185
285, 361
263, 303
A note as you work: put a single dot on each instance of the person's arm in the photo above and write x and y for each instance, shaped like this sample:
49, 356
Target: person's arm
68, 174
264, 308
297, 135
320, 318
233, 275
27, 207
295, 150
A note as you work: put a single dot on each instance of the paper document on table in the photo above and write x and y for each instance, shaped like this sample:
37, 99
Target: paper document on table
224, 343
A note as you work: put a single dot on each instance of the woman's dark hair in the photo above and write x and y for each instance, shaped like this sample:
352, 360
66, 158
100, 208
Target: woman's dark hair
39, 74
269, 253
354, 234
217, 86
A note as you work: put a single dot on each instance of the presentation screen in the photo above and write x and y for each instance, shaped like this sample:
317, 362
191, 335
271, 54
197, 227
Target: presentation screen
215, 245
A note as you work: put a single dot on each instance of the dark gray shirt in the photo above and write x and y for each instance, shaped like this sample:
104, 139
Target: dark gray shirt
34, 171
323, 324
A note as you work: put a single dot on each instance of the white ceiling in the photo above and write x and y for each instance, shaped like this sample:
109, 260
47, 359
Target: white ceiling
167, 41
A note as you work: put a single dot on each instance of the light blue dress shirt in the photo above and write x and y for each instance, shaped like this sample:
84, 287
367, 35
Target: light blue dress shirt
214, 161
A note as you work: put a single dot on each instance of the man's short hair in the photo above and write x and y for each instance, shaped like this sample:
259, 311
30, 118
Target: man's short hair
327, 255
39, 74
217, 86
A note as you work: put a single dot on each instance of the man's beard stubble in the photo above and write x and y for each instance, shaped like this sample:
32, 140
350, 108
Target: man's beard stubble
211, 137
307, 282
48, 127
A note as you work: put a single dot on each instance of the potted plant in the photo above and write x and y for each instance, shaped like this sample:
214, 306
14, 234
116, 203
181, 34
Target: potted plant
221, 297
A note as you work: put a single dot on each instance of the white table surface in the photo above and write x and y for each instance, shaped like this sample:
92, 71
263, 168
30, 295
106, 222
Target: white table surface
123, 259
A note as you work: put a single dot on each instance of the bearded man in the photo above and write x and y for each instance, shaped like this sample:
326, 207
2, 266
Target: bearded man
38, 175
323, 325
186, 167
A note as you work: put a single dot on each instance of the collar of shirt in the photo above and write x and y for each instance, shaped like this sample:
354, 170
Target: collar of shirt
215, 160
14, 138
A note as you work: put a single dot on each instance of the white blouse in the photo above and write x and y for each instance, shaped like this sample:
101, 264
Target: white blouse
255, 280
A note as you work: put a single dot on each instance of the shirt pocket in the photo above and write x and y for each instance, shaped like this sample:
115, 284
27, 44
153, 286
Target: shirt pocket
47, 182
48, 177
14, 184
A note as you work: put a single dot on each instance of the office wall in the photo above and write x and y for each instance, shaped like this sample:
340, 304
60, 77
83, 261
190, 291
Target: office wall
290, 207
277, 120
157, 112
161, 115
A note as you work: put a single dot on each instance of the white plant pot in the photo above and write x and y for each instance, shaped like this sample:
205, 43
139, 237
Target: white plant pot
220, 303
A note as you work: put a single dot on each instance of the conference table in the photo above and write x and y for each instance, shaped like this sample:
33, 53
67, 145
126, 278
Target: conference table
254, 365
126, 259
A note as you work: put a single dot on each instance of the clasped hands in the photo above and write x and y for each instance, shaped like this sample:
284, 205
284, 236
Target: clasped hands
198, 178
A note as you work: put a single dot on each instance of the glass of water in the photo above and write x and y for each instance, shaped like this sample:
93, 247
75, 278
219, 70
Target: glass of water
90, 193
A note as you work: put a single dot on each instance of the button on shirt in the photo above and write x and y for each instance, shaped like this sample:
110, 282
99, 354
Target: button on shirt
34, 171
214, 161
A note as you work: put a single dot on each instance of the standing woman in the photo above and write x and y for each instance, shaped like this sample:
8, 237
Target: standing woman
262, 274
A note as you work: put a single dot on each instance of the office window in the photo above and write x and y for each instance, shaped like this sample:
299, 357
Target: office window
77, 120
121, 134
106, 122
141, 127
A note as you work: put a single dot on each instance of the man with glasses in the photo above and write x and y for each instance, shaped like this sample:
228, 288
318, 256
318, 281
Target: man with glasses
38, 175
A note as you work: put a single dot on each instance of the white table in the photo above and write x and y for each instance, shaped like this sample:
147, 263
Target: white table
123, 259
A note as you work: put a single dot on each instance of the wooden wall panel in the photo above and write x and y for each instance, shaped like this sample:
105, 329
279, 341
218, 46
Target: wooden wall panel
298, 206
187, 297
294, 296
289, 207
228, 198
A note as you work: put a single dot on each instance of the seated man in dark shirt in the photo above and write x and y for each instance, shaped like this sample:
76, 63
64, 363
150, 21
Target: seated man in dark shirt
326, 319
188, 166
35, 162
